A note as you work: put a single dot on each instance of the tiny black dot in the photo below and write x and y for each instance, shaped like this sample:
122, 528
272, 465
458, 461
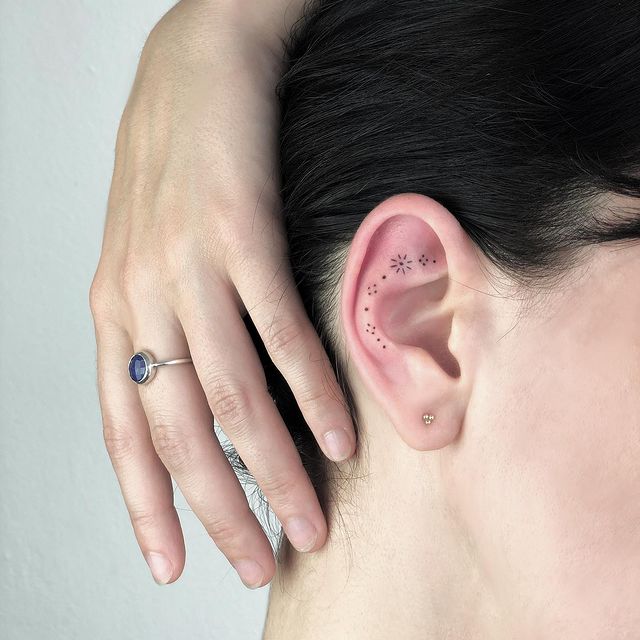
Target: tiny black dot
366, 308
378, 339
384, 346
384, 277
434, 260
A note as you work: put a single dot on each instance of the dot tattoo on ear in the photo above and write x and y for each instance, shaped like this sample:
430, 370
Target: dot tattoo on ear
371, 329
400, 264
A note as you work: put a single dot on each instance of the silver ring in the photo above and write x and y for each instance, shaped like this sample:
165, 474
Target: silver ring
142, 366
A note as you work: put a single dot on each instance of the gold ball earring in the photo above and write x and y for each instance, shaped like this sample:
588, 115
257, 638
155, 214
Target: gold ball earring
428, 418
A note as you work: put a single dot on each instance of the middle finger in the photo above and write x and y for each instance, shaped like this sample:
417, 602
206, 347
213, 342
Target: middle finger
233, 379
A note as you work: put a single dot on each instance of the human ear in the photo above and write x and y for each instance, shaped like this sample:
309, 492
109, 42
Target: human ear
408, 318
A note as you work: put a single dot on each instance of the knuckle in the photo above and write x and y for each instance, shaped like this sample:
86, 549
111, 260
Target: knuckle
145, 273
223, 531
130, 278
143, 519
100, 298
279, 489
309, 398
228, 233
136, 275
176, 252
229, 402
172, 445
96, 297
119, 443
282, 339
181, 260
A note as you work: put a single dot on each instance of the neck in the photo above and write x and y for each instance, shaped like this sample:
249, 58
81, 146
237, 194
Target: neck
396, 564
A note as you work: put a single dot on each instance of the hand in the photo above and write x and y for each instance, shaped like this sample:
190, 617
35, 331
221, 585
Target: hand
194, 240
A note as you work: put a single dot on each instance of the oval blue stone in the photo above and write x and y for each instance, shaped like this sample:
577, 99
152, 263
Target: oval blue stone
138, 368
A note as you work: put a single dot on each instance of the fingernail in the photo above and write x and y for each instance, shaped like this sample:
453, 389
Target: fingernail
250, 572
301, 533
338, 444
161, 568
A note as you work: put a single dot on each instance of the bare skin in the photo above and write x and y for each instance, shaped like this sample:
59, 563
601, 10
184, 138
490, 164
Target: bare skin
193, 240
515, 512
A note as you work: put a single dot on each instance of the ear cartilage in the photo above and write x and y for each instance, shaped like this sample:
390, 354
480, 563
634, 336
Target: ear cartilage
371, 329
424, 260
428, 418
400, 264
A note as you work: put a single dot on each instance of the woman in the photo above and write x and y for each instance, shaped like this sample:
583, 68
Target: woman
461, 194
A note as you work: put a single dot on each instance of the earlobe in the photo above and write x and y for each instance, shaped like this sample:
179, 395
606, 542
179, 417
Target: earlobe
397, 314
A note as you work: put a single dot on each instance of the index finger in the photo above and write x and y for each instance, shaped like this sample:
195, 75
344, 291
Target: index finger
271, 298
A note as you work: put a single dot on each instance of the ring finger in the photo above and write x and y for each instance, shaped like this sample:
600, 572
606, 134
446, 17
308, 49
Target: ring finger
145, 484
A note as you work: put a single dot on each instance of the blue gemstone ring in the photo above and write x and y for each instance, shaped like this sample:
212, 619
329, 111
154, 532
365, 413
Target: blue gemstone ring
142, 366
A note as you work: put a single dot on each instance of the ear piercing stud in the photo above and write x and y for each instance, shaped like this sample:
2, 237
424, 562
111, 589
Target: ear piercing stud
428, 418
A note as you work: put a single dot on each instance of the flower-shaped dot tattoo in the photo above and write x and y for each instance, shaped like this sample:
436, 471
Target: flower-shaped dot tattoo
400, 264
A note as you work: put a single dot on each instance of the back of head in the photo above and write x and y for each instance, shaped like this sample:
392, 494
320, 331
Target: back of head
521, 118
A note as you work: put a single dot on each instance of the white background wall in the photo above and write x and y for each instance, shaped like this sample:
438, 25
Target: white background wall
70, 567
